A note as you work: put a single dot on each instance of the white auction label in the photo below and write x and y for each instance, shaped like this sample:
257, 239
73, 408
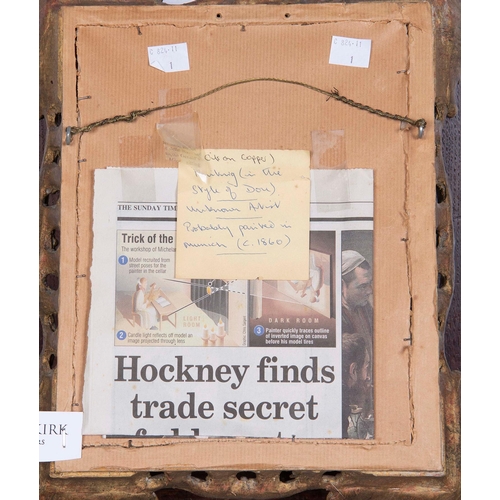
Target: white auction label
59, 435
169, 58
350, 52
177, 2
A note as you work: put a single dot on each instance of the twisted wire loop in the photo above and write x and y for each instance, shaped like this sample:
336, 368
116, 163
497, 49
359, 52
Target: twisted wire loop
333, 94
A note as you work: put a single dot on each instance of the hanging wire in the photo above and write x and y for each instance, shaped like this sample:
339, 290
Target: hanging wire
331, 94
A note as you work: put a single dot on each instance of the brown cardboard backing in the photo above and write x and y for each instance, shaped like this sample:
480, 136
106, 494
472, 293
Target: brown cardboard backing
106, 73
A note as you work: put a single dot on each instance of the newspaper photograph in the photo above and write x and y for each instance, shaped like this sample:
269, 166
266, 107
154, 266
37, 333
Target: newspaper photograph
221, 357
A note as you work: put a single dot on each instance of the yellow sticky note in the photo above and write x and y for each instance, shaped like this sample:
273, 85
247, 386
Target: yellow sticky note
245, 217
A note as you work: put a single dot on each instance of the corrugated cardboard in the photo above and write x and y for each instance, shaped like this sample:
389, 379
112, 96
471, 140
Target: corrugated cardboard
105, 72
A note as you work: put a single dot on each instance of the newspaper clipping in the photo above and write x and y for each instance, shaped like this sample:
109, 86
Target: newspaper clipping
227, 357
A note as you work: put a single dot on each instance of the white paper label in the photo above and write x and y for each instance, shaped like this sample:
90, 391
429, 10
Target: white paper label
177, 2
59, 435
169, 58
350, 52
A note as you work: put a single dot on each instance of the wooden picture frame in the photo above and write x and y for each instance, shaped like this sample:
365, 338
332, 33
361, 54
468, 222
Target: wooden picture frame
218, 482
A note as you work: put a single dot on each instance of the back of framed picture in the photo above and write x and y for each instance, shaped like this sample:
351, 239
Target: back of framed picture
248, 263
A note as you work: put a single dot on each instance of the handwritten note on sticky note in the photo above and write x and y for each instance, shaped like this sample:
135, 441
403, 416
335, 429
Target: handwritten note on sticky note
248, 218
